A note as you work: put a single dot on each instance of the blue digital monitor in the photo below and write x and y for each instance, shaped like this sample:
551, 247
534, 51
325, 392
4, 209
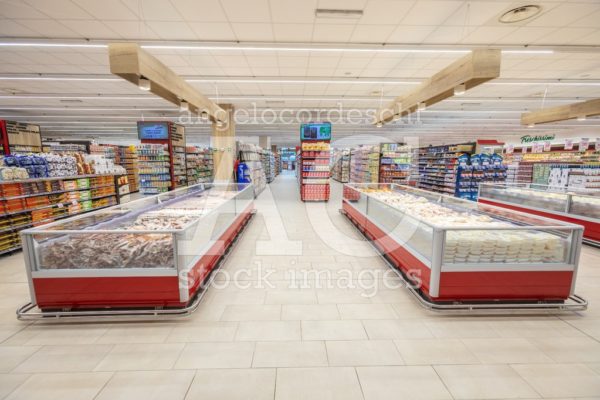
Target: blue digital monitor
320, 131
153, 130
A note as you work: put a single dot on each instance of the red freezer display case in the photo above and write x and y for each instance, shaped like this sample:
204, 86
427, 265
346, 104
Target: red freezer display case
153, 252
456, 250
569, 205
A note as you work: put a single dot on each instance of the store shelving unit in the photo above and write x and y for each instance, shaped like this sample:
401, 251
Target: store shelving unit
395, 163
461, 263
199, 164
179, 167
438, 167
364, 164
314, 160
251, 155
19, 138
33, 202
128, 159
340, 171
172, 137
154, 168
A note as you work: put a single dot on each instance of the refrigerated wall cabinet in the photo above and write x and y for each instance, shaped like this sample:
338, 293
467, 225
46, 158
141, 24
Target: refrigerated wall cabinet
458, 250
153, 252
569, 206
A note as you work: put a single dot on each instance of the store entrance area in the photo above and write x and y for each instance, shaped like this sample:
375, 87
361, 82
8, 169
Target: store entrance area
321, 324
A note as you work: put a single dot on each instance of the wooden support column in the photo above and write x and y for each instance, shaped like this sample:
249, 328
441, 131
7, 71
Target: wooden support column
222, 139
264, 142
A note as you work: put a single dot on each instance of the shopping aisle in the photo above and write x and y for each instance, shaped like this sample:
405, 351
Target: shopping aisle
300, 310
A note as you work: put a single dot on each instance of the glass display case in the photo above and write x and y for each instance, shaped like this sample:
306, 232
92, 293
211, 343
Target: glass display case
462, 250
155, 251
575, 206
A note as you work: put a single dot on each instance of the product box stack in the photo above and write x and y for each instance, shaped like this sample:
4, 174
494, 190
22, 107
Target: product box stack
340, 170
364, 164
128, 159
32, 202
395, 163
154, 168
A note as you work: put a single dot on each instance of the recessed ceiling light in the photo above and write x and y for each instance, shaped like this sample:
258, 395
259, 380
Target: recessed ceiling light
520, 14
338, 13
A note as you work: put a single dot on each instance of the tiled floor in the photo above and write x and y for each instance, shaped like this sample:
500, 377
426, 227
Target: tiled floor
291, 338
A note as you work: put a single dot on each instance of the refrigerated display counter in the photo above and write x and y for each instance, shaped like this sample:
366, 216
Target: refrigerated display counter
575, 206
455, 250
153, 252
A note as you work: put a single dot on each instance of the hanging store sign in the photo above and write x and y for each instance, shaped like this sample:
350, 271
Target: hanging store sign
584, 144
547, 146
568, 144
536, 138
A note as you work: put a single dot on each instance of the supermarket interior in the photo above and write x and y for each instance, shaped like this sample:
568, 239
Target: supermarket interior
318, 199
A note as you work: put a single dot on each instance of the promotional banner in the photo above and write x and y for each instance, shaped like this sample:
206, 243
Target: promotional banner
597, 144
584, 144
547, 146
511, 148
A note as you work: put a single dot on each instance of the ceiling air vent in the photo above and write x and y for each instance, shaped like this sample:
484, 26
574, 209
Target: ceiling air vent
338, 13
520, 14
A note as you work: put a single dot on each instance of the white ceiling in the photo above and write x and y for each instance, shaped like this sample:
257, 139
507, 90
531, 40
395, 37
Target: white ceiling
70, 91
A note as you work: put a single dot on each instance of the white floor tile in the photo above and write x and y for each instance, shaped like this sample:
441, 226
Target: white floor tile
252, 313
208, 331
69, 386
407, 382
560, 380
308, 312
9, 382
11, 356
233, 384
76, 358
333, 330
268, 330
317, 384
290, 354
147, 385
216, 355
565, 350
142, 357
480, 382
434, 351
366, 311
506, 351
348, 353
397, 329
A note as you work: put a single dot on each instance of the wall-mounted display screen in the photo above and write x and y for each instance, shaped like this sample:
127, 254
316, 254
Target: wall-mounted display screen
317, 131
153, 130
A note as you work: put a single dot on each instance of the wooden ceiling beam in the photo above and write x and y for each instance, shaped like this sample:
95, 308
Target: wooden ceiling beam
475, 68
132, 63
588, 108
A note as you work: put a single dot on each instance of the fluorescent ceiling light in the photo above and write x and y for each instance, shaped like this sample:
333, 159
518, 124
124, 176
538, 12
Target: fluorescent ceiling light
338, 13
76, 45
374, 49
315, 49
303, 81
51, 78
